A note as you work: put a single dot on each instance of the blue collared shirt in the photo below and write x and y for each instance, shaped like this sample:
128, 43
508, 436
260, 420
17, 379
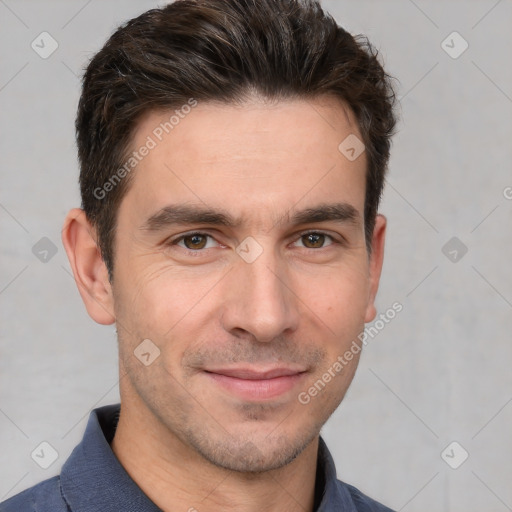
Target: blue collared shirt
93, 480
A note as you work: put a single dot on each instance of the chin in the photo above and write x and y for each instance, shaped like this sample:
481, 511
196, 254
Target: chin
248, 454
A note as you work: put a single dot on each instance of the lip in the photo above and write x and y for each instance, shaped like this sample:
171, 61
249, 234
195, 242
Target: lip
256, 385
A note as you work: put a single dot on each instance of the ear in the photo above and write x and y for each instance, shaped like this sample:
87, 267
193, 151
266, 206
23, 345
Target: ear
89, 269
376, 260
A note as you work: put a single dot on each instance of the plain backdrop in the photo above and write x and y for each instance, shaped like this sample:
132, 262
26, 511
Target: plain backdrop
438, 373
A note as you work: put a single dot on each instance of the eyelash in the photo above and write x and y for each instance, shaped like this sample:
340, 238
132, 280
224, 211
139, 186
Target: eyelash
199, 251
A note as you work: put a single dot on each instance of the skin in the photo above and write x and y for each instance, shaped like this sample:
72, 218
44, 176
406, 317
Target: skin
185, 440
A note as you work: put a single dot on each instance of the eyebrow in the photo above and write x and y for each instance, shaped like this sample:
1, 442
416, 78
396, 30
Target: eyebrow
172, 215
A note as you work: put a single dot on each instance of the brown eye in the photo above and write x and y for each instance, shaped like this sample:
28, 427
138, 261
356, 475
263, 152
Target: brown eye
195, 241
313, 240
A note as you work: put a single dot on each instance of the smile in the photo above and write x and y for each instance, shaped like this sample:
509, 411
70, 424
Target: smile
250, 384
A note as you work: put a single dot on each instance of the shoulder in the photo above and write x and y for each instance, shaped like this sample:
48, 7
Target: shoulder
364, 503
44, 497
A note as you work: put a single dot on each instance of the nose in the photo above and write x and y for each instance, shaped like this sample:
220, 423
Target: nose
260, 299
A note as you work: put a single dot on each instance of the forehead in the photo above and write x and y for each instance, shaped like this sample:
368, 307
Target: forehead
257, 157
248, 125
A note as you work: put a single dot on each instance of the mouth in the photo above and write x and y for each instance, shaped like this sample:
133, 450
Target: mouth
257, 385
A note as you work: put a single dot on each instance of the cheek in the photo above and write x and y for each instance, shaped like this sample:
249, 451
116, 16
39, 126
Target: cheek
339, 298
165, 303
160, 301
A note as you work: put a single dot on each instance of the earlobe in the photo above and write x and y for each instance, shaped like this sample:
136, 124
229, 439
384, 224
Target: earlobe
376, 261
89, 269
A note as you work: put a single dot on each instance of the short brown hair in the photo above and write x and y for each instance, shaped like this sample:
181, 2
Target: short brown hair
223, 50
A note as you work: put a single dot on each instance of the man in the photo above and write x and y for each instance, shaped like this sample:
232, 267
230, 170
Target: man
232, 158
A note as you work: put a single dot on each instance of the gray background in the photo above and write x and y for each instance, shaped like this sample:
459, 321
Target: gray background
439, 372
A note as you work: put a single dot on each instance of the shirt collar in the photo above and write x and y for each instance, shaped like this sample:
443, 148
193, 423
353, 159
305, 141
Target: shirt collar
334, 495
93, 478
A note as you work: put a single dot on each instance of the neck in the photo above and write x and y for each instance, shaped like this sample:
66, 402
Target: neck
175, 477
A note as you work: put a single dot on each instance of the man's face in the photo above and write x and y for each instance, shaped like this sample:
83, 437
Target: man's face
227, 303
